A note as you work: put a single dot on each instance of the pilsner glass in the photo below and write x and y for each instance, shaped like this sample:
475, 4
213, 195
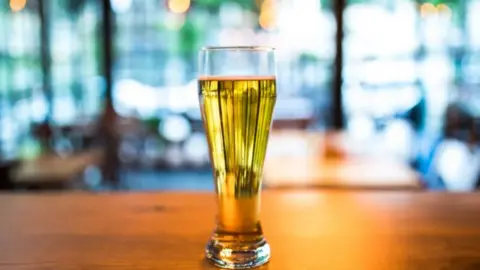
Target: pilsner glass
237, 91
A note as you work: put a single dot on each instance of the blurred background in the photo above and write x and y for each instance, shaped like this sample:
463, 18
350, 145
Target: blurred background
102, 94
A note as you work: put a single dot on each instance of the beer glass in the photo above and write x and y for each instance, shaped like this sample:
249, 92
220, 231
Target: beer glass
237, 93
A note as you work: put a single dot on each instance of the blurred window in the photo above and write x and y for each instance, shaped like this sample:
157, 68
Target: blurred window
400, 63
156, 45
76, 55
20, 71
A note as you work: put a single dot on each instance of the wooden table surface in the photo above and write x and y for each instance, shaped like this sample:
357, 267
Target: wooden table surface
52, 168
316, 159
306, 230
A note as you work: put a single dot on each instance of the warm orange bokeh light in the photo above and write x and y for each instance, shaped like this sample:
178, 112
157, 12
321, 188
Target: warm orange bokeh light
178, 6
17, 5
427, 9
267, 18
444, 10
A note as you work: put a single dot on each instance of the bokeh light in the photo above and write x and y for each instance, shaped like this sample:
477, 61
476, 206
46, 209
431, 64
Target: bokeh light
444, 10
175, 128
121, 6
267, 18
178, 6
427, 9
17, 5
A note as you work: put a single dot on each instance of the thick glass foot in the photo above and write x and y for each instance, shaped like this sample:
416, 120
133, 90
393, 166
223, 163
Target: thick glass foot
232, 252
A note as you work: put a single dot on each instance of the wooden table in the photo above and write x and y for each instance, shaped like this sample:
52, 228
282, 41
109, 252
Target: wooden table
306, 230
315, 159
53, 170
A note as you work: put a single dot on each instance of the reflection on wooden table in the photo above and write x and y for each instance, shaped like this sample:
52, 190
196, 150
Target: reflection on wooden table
299, 159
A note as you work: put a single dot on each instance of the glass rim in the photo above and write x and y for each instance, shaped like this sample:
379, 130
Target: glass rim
238, 48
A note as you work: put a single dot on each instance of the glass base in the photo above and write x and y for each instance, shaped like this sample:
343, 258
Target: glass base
233, 252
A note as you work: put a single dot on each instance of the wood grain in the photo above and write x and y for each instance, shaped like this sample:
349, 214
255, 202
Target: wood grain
306, 230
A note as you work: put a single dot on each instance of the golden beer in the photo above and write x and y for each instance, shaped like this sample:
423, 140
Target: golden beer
237, 115
237, 93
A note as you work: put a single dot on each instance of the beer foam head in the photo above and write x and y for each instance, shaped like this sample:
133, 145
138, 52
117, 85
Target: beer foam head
236, 78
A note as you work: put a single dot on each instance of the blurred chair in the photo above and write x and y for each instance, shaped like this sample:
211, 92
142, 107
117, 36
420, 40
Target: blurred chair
450, 160
459, 122
456, 164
